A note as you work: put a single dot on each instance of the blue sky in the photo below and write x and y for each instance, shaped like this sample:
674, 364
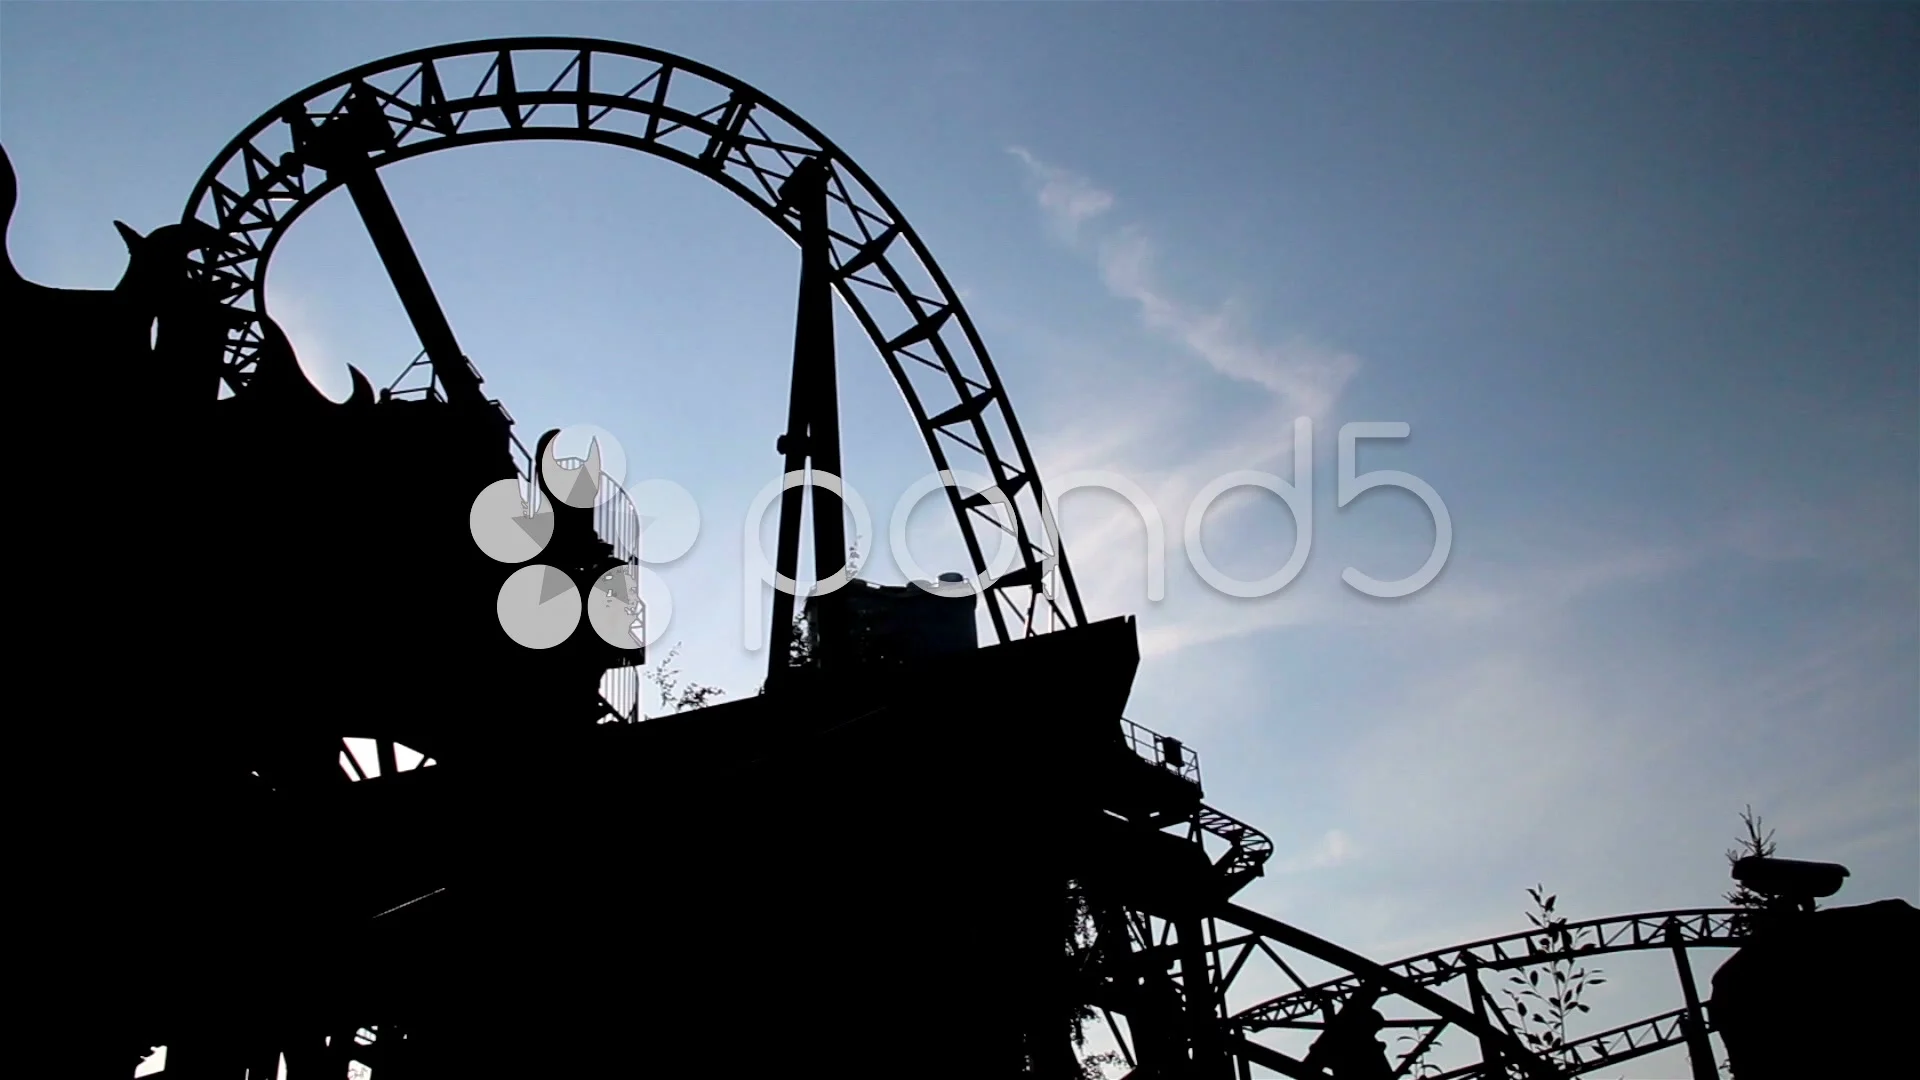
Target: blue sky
1643, 279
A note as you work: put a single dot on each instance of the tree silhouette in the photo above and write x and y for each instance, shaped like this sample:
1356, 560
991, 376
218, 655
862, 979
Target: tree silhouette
1757, 841
1080, 954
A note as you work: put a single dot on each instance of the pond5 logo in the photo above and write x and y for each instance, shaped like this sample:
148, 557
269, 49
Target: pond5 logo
541, 605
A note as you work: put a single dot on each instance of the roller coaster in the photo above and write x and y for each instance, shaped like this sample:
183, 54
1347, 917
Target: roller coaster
532, 900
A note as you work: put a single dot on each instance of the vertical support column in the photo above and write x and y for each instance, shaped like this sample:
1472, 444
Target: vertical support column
1477, 994
1144, 992
342, 147
1205, 1036
1694, 1025
813, 409
1350, 1045
815, 322
1159, 1027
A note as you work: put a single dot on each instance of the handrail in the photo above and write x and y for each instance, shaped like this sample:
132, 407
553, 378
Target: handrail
1163, 750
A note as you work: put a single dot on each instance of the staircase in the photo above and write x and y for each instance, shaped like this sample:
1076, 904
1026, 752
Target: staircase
1247, 852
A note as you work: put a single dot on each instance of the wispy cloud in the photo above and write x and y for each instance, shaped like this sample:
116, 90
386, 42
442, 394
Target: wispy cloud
1304, 376
1527, 582
1108, 536
1307, 378
1068, 199
1189, 446
1864, 523
1498, 743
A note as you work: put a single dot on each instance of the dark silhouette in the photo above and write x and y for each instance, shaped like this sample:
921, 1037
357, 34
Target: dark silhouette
864, 623
1350, 1047
1816, 992
853, 872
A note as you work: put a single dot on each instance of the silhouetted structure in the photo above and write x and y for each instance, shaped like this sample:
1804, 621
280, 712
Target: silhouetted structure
1817, 993
863, 871
865, 623
1789, 884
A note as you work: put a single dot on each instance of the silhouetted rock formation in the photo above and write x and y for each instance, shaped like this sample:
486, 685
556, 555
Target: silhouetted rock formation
1823, 994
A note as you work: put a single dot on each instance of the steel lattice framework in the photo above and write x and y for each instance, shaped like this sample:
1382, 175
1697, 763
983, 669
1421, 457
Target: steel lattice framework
643, 99
1313, 1007
1705, 928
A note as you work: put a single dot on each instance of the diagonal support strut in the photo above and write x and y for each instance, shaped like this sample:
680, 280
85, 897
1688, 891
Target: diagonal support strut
343, 147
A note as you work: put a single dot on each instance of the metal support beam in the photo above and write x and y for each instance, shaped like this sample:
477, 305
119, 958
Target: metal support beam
813, 410
1477, 995
1347, 1043
1390, 981
1159, 1030
1207, 1034
1413, 1056
342, 147
1251, 1051
1694, 1025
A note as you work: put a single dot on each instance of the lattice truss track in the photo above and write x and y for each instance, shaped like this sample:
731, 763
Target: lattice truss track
1422, 998
642, 99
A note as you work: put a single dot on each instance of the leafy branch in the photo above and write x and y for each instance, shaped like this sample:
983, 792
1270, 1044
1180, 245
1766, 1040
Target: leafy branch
1546, 998
674, 697
1082, 943
1422, 1067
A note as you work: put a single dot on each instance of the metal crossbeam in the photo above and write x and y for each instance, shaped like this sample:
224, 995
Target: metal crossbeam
1698, 928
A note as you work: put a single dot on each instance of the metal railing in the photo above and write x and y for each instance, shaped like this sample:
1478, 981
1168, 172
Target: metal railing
1163, 750
617, 522
620, 695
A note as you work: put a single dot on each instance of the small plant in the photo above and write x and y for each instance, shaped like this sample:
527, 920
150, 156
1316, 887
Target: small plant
800, 644
665, 676
1422, 1067
1542, 1001
1758, 841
